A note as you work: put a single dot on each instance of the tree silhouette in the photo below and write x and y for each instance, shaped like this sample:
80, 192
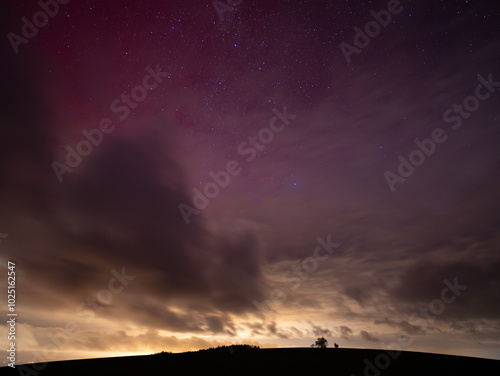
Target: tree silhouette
321, 343
336, 346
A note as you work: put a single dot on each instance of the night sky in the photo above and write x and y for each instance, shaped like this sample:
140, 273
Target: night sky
176, 176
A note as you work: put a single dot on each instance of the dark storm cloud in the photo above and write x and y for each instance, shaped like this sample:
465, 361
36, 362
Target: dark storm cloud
118, 208
319, 331
423, 283
357, 294
275, 331
124, 207
368, 337
158, 315
345, 332
215, 324
402, 325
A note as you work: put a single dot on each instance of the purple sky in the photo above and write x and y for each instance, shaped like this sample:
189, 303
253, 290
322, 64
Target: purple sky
319, 216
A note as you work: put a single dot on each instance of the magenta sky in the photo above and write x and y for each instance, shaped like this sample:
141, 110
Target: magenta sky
339, 196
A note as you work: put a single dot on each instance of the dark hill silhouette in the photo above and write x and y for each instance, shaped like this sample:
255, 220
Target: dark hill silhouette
290, 361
